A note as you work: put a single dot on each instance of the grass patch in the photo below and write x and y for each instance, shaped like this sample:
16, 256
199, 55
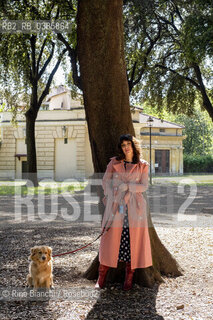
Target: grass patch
46, 188
51, 187
202, 180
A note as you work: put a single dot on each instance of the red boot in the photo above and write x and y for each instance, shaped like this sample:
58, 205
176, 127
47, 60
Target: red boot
102, 276
128, 277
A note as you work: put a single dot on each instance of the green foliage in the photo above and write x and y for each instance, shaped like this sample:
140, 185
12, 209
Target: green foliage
15, 99
153, 110
163, 39
202, 163
197, 35
199, 132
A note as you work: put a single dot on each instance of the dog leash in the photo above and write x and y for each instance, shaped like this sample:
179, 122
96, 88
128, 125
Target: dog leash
87, 245
81, 248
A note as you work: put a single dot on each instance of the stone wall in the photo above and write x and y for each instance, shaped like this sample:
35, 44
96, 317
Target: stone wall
7, 153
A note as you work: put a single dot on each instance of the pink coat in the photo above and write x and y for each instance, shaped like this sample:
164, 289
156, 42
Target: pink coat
136, 177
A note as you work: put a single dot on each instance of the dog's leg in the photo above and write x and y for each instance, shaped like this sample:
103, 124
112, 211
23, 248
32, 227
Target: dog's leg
29, 280
51, 282
47, 284
36, 283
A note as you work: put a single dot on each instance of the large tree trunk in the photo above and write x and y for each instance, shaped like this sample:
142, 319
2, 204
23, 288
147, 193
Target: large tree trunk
103, 75
106, 100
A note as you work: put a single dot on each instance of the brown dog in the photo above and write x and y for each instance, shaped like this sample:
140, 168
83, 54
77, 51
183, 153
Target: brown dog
40, 269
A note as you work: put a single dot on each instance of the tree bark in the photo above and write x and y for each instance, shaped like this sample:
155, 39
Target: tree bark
103, 74
31, 147
106, 100
35, 104
206, 101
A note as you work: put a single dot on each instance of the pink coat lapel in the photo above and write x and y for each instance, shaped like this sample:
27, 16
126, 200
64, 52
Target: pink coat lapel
119, 167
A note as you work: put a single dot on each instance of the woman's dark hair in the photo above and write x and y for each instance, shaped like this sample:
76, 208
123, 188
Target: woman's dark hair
135, 146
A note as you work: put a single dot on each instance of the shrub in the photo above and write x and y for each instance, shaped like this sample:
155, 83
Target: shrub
202, 163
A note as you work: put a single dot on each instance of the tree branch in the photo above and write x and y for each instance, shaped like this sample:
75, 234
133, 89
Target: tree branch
47, 61
73, 60
70, 5
33, 62
178, 11
41, 52
170, 23
50, 12
57, 13
178, 74
130, 82
169, 54
144, 63
206, 101
47, 87
29, 64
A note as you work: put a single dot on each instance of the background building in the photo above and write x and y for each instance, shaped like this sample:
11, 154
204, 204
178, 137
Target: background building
62, 141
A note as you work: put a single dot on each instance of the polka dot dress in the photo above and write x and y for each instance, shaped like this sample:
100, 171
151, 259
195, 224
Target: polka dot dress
124, 251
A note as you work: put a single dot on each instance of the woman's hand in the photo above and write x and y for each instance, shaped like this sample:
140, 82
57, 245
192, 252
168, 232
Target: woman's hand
123, 187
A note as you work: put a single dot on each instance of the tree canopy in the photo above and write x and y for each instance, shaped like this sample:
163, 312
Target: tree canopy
168, 48
25, 58
169, 52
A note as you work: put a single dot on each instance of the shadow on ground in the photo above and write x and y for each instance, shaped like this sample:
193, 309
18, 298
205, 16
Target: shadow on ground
116, 304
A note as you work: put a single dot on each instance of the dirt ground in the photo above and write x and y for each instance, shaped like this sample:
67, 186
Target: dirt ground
183, 220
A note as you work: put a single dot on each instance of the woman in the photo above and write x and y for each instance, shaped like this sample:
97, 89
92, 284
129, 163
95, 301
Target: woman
127, 236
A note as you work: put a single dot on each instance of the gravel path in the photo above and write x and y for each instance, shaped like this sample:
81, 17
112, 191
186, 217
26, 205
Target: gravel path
185, 297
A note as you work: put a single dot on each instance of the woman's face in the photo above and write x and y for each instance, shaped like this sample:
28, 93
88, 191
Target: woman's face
126, 146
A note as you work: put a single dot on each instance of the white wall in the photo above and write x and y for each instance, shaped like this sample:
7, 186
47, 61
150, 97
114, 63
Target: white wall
56, 101
65, 97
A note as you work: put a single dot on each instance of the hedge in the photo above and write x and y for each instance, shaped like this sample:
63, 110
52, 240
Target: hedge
197, 163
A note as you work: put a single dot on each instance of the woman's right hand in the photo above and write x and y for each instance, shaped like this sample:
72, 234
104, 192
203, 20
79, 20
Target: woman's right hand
123, 187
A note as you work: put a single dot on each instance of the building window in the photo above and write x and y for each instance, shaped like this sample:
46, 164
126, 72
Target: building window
162, 130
